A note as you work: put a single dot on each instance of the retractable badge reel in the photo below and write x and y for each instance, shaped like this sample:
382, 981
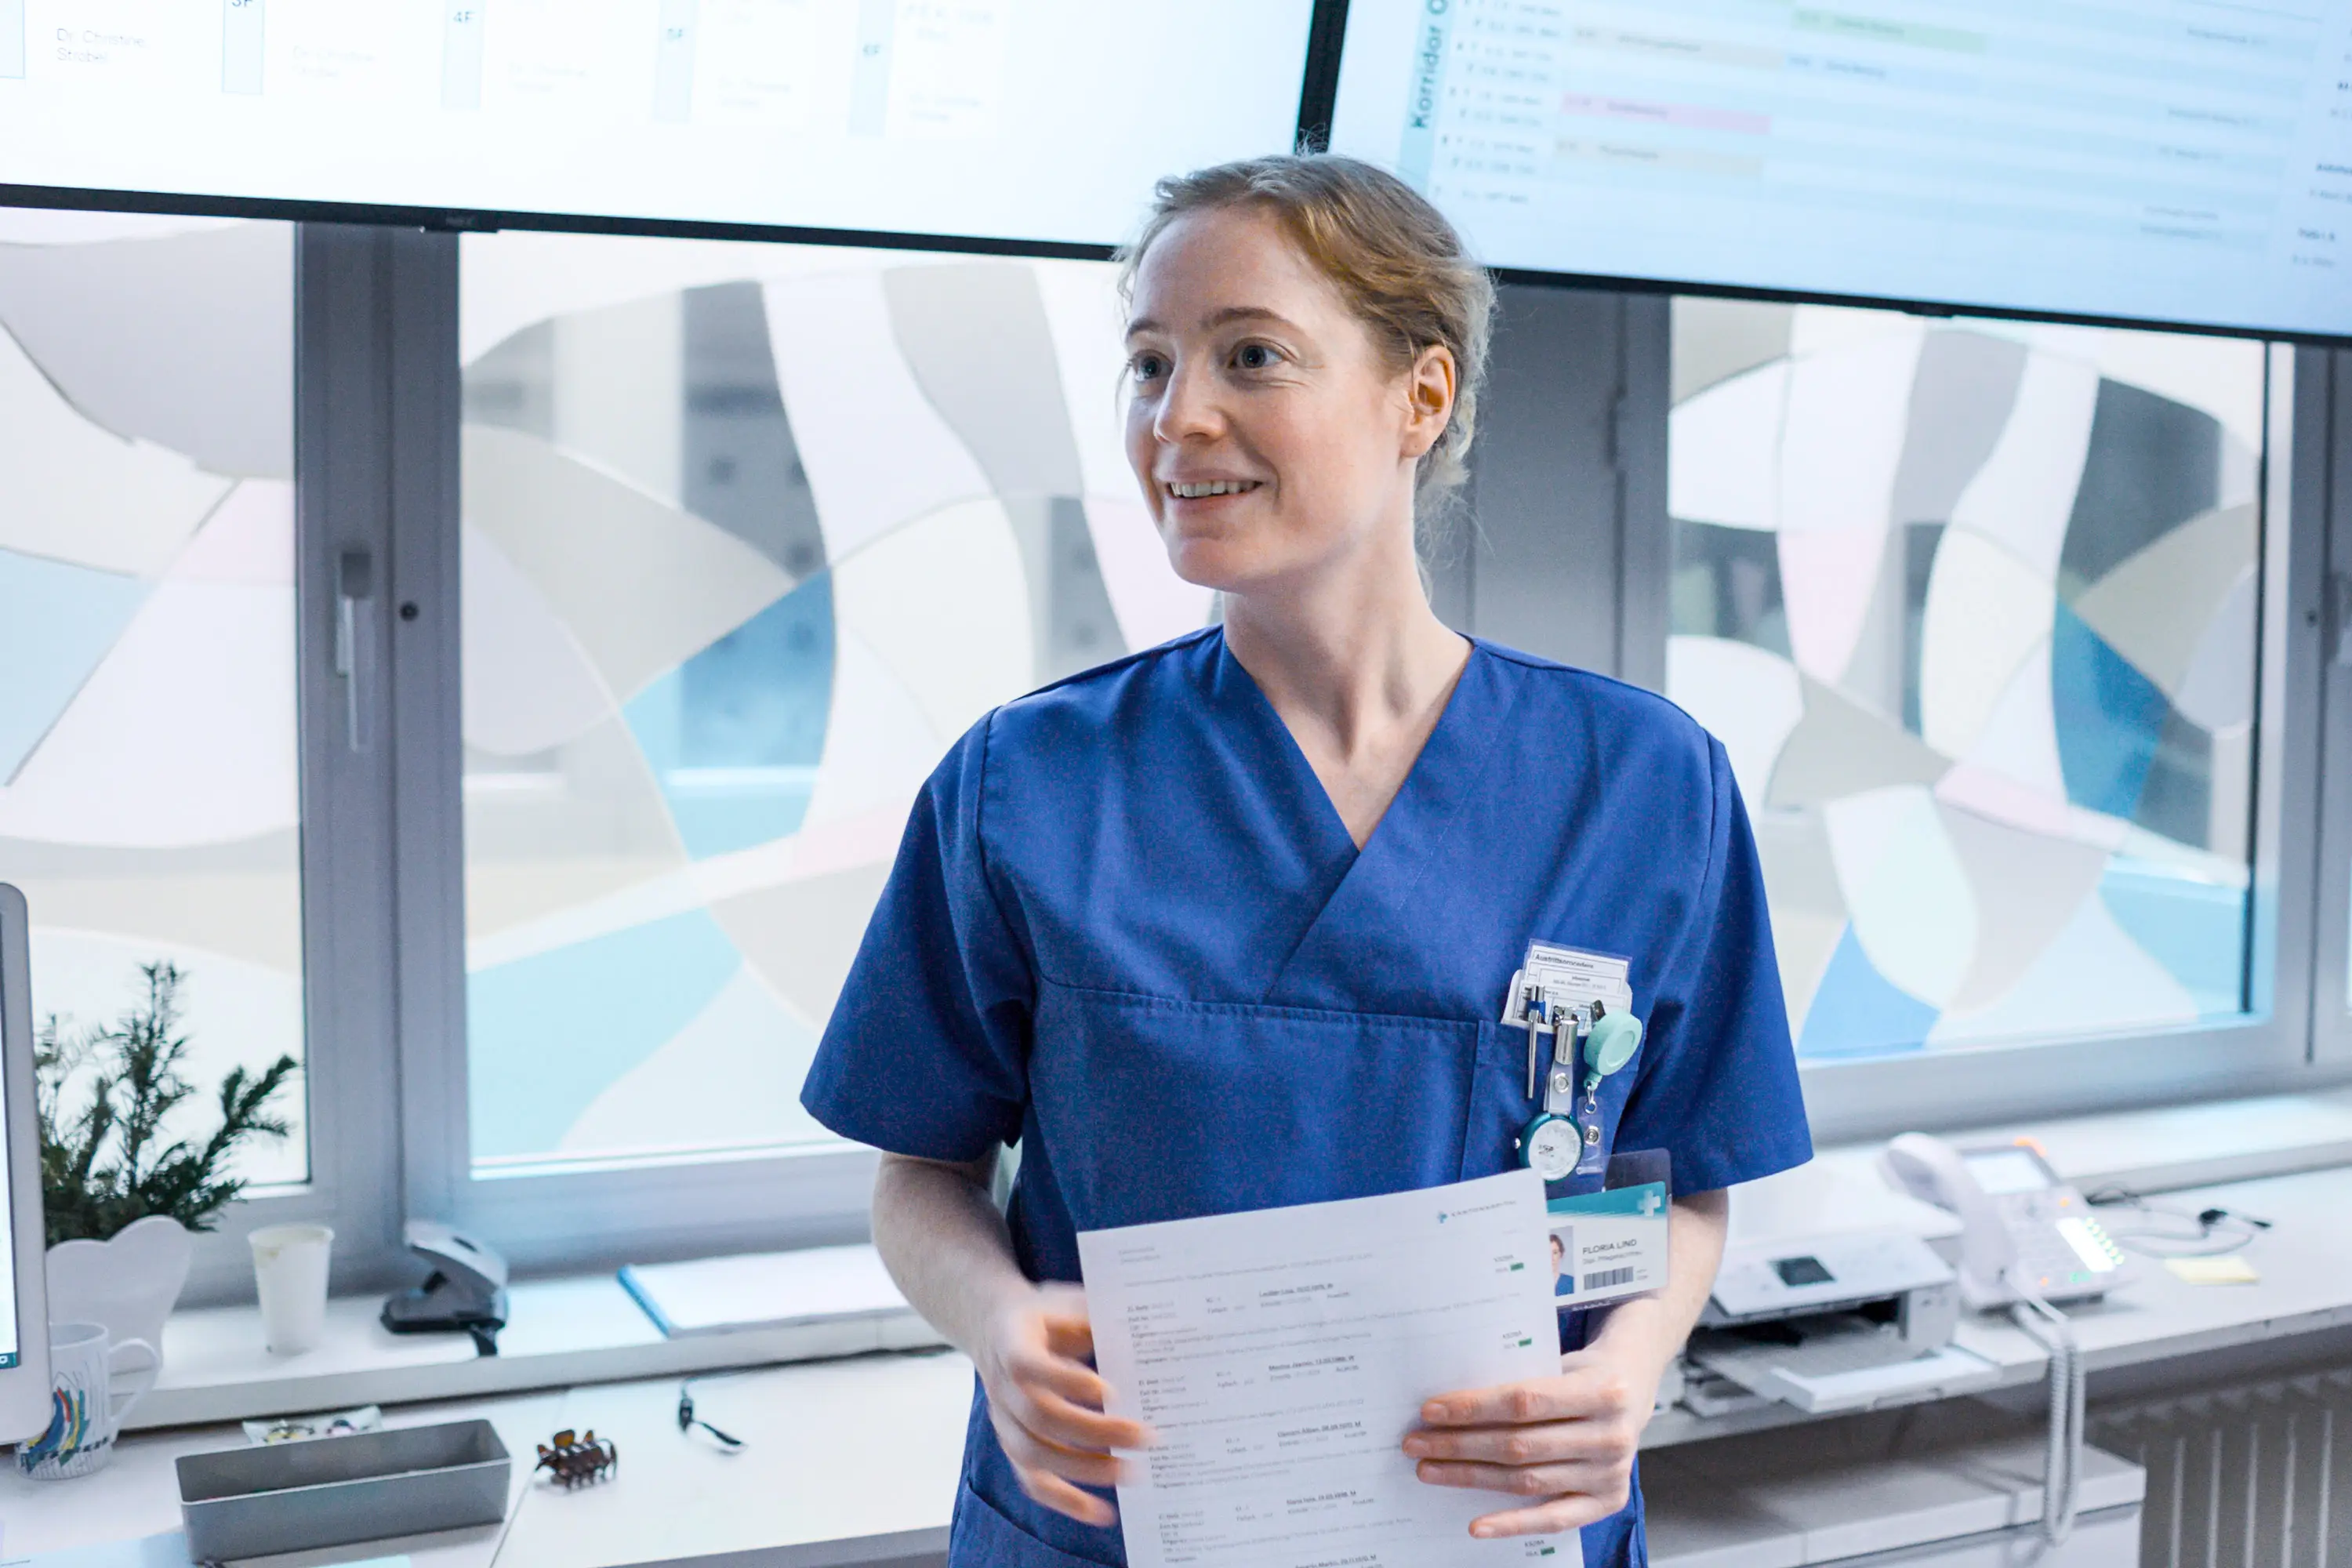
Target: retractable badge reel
1565, 1138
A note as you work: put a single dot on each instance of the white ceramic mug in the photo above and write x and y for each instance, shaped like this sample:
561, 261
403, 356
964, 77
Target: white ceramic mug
92, 1386
289, 1270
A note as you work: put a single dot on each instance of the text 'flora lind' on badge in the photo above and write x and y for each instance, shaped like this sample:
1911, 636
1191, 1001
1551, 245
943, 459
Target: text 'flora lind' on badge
1610, 1244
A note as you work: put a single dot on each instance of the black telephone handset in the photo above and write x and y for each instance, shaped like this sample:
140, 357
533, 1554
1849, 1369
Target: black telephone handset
2022, 1224
466, 1290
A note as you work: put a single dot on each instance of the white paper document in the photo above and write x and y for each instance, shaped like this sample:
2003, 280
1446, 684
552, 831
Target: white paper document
1282, 1355
755, 1289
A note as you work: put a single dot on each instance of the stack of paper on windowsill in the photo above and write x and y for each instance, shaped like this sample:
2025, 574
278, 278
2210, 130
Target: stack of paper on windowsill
763, 1290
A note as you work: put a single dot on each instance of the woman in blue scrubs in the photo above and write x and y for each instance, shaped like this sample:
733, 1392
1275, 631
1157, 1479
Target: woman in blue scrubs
1228, 923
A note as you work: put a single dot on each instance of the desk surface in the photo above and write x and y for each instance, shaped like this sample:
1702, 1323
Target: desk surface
850, 1457
138, 1494
846, 1460
2304, 1260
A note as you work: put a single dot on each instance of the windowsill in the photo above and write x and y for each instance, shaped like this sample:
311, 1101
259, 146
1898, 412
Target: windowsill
587, 1328
2201, 1143
564, 1331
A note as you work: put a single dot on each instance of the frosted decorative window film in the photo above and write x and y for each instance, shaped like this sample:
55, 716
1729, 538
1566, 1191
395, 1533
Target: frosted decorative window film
148, 750
751, 534
1973, 607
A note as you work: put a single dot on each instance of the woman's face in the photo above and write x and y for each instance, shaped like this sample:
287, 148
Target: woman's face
1270, 433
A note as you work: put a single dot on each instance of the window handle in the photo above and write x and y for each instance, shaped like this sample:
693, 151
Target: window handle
354, 618
2336, 624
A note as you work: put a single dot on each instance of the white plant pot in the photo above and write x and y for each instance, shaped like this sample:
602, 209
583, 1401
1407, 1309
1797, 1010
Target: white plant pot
128, 1282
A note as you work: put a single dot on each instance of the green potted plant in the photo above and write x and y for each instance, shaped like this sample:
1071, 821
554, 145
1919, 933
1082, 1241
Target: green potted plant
121, 1195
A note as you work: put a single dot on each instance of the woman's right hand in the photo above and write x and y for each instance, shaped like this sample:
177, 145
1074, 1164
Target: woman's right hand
1047, 1402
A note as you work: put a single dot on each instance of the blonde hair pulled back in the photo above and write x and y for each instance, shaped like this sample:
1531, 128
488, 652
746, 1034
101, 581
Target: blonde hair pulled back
1393, 257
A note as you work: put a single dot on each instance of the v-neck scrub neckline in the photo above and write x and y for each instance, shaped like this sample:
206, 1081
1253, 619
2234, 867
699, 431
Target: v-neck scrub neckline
1129, 929
1283, 741
1413, 834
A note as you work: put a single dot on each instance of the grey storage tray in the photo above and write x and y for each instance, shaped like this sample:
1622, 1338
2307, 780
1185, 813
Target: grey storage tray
331, 1491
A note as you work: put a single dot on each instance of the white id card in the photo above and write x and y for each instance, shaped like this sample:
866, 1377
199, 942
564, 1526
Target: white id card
1571, 978
1609, 1244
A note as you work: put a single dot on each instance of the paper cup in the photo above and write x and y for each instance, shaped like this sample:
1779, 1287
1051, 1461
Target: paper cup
290, 1267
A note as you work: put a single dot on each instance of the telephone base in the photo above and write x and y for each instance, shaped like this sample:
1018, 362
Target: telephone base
1978, 1298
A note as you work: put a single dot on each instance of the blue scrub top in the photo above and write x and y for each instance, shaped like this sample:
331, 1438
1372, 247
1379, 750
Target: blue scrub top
1127, 929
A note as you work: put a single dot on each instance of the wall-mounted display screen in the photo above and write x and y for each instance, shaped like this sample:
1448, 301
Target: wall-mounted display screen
1034, 120
2177, 161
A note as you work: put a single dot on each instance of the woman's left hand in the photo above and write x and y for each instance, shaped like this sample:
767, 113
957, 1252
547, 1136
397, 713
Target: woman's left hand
1565, 1443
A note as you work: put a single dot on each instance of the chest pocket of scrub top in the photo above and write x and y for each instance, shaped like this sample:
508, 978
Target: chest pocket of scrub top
1153, 1109
1499, 1106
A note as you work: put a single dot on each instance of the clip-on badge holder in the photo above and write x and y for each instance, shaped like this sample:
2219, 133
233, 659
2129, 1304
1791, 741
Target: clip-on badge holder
1567, 1138
1611, 1219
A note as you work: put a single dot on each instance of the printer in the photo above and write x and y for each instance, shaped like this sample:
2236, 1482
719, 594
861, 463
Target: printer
1836, 1293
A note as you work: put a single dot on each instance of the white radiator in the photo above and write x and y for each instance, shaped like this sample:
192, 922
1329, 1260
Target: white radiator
2258, 1477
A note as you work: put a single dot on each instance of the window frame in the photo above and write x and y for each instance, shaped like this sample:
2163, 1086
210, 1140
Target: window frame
2272, 1049
349, 1070
595, 1213
2330, 614
379, 411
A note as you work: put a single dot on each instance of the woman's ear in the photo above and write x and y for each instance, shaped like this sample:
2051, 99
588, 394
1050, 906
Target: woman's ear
1429, 399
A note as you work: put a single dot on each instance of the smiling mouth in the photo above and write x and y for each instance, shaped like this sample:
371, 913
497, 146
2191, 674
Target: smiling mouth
1211, 488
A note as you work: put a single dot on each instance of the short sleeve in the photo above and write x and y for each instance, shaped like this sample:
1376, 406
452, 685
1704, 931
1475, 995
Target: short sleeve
927, 1051
1718, 1087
